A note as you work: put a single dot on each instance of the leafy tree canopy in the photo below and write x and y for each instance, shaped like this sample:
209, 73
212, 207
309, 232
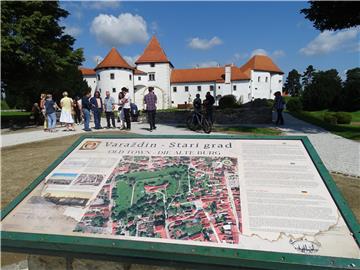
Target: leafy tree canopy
36, 55
292, 86
333, 15
307, 76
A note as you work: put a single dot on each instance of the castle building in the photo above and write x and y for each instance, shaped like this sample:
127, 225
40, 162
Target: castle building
259, 77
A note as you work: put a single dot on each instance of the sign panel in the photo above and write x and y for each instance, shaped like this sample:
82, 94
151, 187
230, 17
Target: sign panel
238, 194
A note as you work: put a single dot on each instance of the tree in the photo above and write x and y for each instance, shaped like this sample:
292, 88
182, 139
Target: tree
292, 85
307, 76
351, 90
320, 94
333, 15
36, 55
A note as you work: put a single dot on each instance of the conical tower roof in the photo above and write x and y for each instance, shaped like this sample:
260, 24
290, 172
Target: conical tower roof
113, 60
261, 63
153, 53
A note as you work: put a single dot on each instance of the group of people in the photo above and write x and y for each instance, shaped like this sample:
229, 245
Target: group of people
97, 106
208, 105
70, 110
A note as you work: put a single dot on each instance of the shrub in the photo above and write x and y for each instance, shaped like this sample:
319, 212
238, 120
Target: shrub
4, 105
262, 102
343, 117
294, 105
228, 101
330, 118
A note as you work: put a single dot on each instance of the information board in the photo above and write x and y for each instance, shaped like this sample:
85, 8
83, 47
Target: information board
228, 193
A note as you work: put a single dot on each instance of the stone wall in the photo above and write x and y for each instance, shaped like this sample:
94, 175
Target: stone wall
243, 115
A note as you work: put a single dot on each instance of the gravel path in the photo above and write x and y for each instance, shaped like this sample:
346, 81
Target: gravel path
337, 153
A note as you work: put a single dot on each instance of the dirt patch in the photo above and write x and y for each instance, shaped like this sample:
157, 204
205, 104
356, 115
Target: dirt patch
22, 164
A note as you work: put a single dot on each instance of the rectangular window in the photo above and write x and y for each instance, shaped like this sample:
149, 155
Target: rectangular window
98, 77
219, 87
258, 78
152, 65
172, 102
211, 88
151, 76
114, 90
139, 78
280, 81
234, 87
174, 89
199, 88
130, 77
99, 90
112, 76
266, 79
186, 88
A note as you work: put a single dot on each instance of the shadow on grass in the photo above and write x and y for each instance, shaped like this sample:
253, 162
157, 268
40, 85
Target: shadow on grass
347, 131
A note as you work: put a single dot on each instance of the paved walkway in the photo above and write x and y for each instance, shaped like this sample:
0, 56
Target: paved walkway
338, 154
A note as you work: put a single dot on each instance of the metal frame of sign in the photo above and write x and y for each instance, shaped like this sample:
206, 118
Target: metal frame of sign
178, 254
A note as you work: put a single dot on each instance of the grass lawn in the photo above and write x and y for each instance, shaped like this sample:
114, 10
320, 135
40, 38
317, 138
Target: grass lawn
248, 130
124, 192
9, 114
350, 131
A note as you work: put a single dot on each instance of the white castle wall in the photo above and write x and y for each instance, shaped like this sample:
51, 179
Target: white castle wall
182, 97
242, 92
260, 85
122, 78
91, 81
162, 73
276, 83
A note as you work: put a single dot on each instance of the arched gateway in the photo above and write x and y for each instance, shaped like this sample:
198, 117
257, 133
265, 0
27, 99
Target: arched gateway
141, 90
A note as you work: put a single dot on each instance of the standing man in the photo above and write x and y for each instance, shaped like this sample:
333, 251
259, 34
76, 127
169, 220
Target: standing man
126, 107
150, 100
86, 108
209, 103
109, 106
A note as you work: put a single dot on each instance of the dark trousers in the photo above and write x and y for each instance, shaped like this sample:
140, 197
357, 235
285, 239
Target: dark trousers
97, 116
151, 118
209, 115
280, 119
108, 116
77, 116
127, 118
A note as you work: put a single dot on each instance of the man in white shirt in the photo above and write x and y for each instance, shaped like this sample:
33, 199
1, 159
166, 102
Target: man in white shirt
126, 107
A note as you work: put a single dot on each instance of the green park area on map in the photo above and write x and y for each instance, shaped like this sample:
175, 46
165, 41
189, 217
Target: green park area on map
168, 197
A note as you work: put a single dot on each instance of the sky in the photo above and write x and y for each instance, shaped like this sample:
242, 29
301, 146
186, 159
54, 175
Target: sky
210, 33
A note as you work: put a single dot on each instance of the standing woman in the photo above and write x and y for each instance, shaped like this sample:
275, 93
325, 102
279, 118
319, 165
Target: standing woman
121, 116
77, 112
43, 110
279, 106
97, 106
50, 107
66, 104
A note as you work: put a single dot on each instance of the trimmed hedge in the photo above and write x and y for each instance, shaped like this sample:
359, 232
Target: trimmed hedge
294, 105
330, 118
228, 101
343, 117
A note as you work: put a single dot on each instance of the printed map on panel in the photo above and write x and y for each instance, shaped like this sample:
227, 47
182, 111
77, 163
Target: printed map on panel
171, 197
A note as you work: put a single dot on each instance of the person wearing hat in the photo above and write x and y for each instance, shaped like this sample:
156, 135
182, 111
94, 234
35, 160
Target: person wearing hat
279, 107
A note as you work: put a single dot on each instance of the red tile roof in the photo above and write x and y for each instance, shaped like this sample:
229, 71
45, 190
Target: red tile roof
87, 71
261, 63
139, 72
113, 60
153, 53
212, 74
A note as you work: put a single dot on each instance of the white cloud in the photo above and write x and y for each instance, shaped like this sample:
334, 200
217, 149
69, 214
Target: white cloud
240, 56
204, 44
72, 30
329, 41
122, 30
278, 53
131, 59
97, 59
206, 64
258, 52
100, 4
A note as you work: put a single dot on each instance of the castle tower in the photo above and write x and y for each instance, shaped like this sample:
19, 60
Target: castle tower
157, 66
114, 73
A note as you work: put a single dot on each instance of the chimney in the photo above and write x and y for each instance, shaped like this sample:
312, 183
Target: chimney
227, 73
